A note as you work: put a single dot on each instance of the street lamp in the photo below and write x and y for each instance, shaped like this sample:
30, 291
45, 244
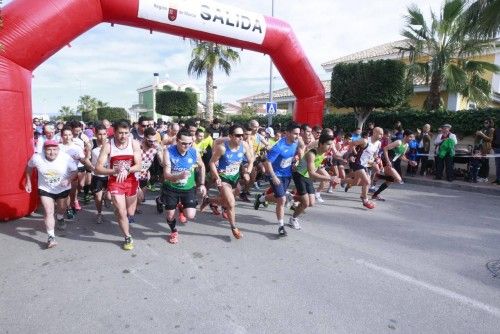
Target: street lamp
156, 81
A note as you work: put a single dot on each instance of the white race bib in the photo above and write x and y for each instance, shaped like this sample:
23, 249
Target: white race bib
286, 162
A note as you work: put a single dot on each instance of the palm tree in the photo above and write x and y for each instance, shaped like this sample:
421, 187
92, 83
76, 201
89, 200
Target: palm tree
441, 51
205, 57
482, 17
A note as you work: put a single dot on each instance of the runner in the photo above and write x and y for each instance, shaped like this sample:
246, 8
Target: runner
55, 171
150, 148
309, 168
99, 183
124, 156
279, 167
229, 156
84, 176
393, 152
179, 186
366, 153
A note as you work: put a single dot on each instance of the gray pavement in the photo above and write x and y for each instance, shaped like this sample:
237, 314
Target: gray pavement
415, 264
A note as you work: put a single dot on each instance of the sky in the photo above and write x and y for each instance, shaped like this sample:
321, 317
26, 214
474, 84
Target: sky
111, 63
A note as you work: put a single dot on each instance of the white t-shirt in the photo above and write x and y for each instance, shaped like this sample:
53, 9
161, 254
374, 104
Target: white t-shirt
94, 157
74, 151
51, 173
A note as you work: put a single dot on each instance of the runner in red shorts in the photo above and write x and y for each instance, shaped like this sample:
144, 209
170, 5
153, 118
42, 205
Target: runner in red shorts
124, 154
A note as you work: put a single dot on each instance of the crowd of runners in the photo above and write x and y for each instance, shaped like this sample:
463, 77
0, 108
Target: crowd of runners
116, 165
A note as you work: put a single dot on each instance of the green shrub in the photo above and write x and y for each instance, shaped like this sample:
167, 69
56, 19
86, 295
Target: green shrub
175, 103
111, 113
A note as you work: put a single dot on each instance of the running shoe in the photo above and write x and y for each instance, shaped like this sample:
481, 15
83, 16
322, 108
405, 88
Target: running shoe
318, 198
282, 231
131, 220
77, 206
70, 214
204, 203
86, 198
330, 190
51, 242
99, 218
128, 244
378, 198
257, 202
372, 189
61, 224
368, 204
288, 198
173, 237
236, 233
159, 205
347, 187
294, 223
182, 217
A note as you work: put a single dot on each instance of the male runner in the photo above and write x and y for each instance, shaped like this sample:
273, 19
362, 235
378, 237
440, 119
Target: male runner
124, 155
99, 183
55, 171
229, 156
179, 186
279, 167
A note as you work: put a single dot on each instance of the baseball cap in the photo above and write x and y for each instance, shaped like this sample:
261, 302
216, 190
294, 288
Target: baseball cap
50, 142
270, 131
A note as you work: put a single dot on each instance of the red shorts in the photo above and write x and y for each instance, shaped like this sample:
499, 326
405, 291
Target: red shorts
127, 187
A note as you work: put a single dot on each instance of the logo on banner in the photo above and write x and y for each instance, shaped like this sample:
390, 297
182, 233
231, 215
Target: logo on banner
172, 14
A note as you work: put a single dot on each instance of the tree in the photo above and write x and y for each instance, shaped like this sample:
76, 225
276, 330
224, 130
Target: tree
111, 113
205, 57
248, 111
176, 103
67, 113
442, 50
219, 111
366, 86
482, 18
87, 107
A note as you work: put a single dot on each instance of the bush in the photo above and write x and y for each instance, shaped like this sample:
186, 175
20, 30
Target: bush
111, 113
175, 103
464, 122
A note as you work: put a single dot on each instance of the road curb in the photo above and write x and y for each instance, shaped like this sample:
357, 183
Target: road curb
470, 187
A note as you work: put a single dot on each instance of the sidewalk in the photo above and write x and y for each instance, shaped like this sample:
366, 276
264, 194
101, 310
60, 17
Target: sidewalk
459, 184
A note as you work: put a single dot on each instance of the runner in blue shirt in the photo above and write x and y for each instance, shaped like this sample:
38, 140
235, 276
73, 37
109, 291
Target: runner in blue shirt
279, 167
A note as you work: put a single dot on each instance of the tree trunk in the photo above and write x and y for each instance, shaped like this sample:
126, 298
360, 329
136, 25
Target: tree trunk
433, 100
361, 115
209, 108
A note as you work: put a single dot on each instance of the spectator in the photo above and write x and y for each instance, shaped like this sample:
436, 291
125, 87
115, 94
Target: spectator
424, 147
496, 148
397, 133
370, 128
482, 141
356, 135
445, 143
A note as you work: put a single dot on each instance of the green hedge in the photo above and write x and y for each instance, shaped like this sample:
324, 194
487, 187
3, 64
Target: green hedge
175, 103
111, 113
464, 122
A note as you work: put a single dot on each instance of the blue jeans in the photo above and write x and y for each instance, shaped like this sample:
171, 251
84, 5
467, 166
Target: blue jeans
497, 164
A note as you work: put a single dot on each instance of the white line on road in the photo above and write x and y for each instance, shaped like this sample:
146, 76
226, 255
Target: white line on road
436, 289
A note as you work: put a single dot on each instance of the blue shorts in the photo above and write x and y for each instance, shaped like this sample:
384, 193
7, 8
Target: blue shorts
280, 190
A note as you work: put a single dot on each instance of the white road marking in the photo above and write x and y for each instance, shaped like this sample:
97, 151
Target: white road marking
436, 289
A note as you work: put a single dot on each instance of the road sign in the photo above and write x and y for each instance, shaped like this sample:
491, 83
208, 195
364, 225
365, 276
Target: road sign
271, 108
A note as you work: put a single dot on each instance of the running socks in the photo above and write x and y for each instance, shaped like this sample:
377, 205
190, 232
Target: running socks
382, 187
171, 224
281, 222
51, 233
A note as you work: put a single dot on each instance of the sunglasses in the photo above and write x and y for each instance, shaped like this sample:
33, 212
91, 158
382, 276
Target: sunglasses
144, 125
238, 135
183, 143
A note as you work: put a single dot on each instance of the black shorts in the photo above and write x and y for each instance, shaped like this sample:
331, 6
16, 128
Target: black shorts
303, 184
143, 183
98, 183
64, 194
355, 166
171, 197
233, 184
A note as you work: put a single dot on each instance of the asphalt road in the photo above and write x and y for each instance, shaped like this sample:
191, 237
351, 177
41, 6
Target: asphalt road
418, 263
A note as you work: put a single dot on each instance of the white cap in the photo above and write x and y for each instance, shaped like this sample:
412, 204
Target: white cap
270, 131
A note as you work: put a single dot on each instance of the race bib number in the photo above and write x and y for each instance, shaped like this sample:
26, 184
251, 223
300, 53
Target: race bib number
286, 162
232, 169
53, 180
181, 182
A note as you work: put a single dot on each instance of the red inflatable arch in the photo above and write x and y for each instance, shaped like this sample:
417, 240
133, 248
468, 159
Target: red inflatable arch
35, 30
